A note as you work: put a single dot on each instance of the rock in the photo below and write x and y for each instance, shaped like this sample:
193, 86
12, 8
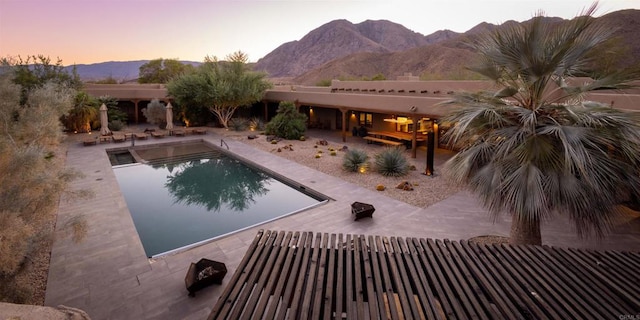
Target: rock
322, 142
405, 185
252, 136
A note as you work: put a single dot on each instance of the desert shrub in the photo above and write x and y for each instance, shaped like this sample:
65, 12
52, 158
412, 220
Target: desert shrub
239, 124
391, 162
116, 125
155, 113
256, 124
354, 159
324, 83
288, 123
32, 177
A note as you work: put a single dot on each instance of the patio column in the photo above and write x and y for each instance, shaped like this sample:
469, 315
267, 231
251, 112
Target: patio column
135, 109
414, 137
266, 110
430, 151
344, 124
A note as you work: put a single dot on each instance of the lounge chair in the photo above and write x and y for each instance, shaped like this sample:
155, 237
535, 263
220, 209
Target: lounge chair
178, 133
141, 135
105, 138
157, 134
90, 141
118, 138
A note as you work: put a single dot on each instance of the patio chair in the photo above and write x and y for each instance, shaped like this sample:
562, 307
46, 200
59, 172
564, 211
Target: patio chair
141, 135
118, 138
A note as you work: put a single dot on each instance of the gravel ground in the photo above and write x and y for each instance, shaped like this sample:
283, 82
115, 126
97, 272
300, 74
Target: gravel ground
427, 189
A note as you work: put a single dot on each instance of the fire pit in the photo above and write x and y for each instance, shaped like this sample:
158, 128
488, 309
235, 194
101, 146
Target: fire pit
203, 274
362, 210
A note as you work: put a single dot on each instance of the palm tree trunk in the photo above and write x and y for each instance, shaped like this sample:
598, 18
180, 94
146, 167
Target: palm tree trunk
525, 232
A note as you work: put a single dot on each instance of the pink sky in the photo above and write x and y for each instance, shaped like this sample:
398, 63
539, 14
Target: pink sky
90, 31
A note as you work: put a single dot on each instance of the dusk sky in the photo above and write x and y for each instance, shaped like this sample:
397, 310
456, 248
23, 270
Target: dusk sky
90, 31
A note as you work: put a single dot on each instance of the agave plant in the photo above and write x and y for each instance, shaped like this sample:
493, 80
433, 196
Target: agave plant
535, 148
256, 124
392, 162
354, 159
238, 124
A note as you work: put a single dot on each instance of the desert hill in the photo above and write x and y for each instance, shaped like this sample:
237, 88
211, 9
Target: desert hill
337, 39
341, 49
447, 56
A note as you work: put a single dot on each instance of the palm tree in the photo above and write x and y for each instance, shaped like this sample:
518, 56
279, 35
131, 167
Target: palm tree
535, 148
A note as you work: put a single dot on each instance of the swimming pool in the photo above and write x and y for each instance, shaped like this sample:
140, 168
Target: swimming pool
183, 195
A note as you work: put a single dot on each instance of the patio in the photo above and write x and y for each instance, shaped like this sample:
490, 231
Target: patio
109, 276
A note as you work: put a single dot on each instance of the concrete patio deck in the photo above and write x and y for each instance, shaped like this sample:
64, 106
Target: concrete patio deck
109, 276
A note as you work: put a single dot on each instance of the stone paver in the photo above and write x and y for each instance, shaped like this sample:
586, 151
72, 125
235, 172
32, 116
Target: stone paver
109, 276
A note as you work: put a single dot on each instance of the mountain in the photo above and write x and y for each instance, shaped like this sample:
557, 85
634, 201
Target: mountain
434, 59
121, 71
337, 39
341, 49
447, 54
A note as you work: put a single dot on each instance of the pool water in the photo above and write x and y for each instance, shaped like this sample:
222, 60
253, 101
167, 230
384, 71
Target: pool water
186, 195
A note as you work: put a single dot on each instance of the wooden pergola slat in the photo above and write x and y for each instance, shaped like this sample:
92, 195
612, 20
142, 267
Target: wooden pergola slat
293, 275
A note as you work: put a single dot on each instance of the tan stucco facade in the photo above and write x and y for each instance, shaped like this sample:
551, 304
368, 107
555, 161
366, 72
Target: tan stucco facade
409, 98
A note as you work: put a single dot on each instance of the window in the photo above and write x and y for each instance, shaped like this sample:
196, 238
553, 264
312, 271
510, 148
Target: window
366, 119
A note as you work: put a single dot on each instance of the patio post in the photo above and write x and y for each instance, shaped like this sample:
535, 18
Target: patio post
430, 151
414, 137
344, 124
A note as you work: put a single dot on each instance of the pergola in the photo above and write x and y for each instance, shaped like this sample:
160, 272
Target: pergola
301, 275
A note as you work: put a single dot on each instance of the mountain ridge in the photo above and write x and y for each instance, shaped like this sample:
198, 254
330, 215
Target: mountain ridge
341, 49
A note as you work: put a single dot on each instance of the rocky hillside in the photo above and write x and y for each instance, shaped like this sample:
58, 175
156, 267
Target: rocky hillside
432, 59
341, 49
338, 39
443, 54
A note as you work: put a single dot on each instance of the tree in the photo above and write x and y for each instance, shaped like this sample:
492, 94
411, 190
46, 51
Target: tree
117, 117
288, 123
535, 148
221, 86
35, 71
162, 70
236, 188
83, 113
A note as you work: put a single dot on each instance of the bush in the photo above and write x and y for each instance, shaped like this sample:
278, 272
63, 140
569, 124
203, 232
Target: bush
116, 125
392, 162
354, 159
155, 113
288, 123
239, 124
